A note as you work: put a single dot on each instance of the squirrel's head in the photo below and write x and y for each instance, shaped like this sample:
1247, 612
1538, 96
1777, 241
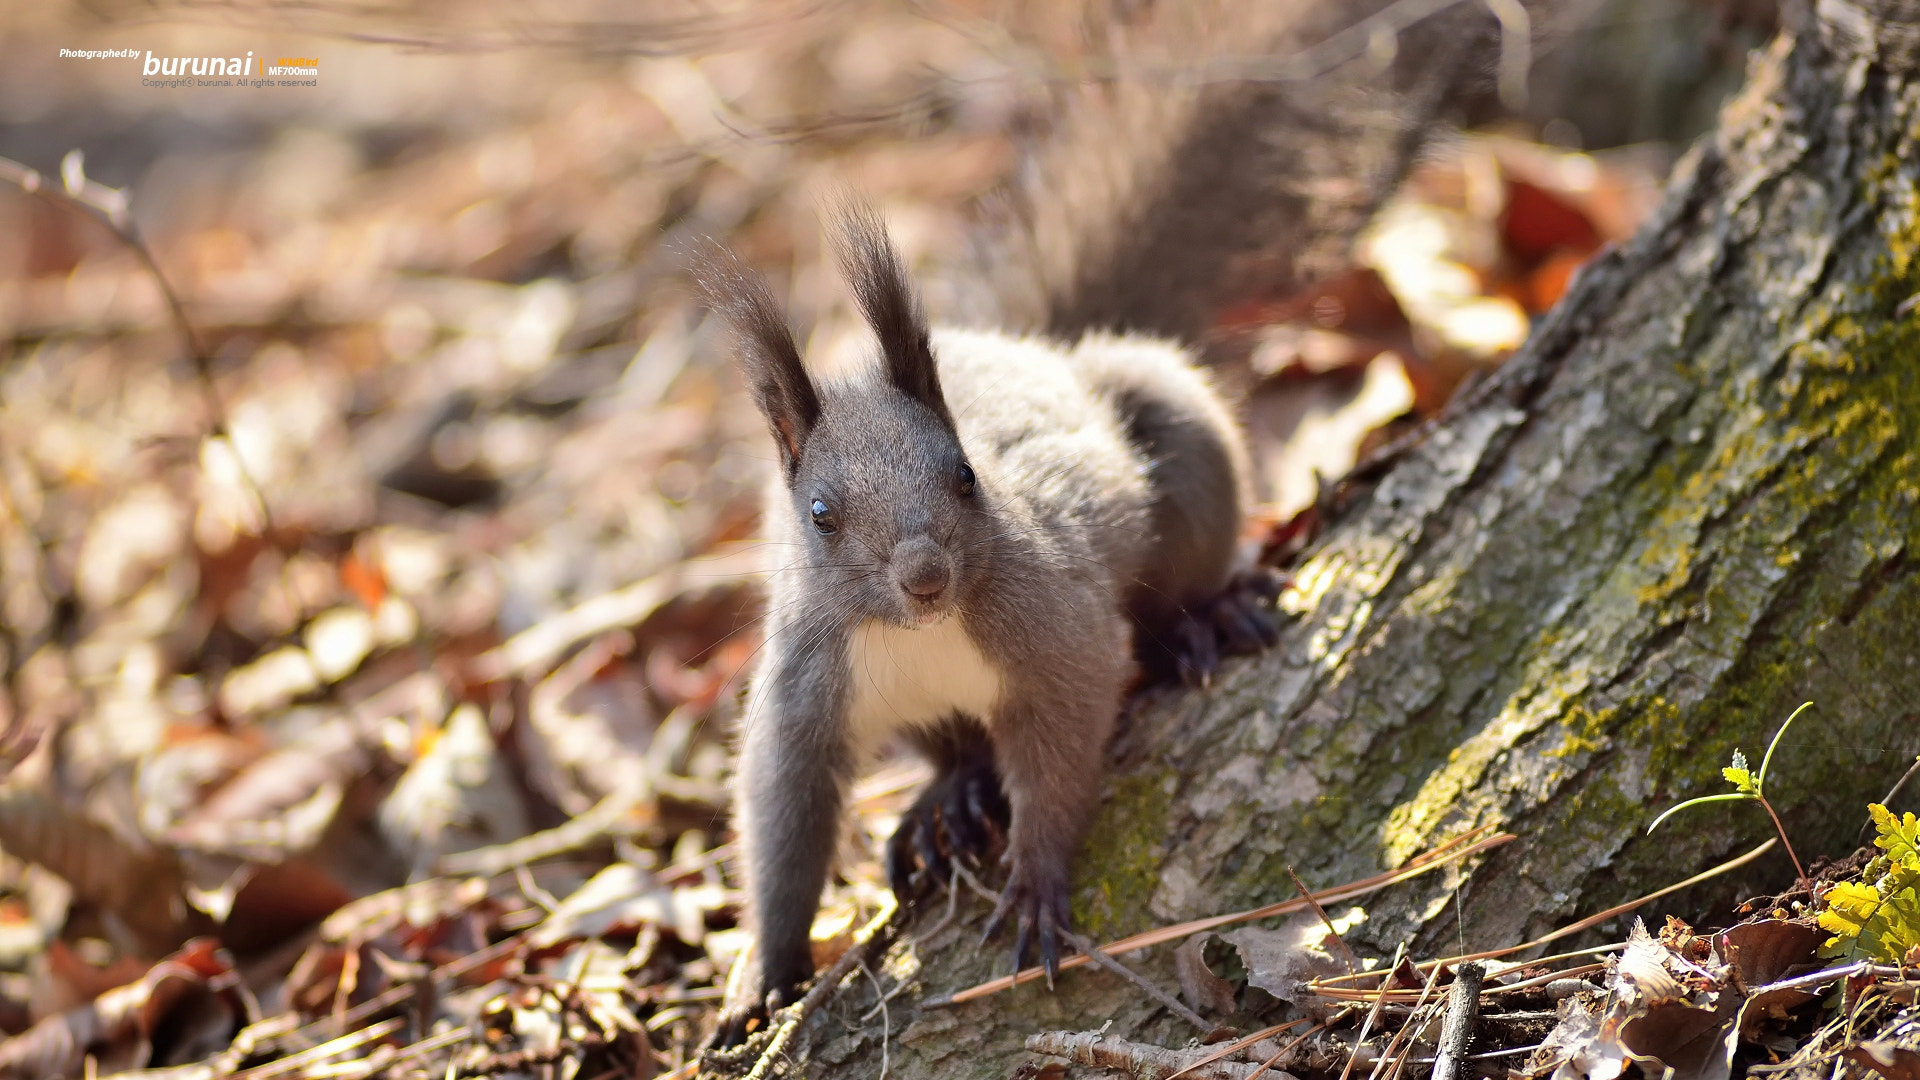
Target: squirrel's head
888, 512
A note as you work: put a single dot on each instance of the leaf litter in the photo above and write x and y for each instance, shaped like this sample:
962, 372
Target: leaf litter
373, 631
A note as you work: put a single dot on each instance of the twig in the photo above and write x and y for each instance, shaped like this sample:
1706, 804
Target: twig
881, 1005
111, 207
533, 652
1583, 924
953, 904
1413, 1024
1373, 1014
974, 883
387, 999
574, 833
1806, 883
1341, 994
711, 857
886, 1020
450, 1037
1329, 983
532, 890
1451, 851
1488, 1056
1240, 1044
1618, 909
794, 1017
1167, 1001
523, 1060
1095, 1049
1826, 975
1281, 1054
341, 1045
1346, 953
1463, 1008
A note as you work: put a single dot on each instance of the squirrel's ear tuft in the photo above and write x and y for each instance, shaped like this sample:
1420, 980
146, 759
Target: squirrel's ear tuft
879, 281
779, 381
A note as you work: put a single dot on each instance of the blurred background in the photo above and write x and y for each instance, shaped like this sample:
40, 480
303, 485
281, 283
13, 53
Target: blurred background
378, 613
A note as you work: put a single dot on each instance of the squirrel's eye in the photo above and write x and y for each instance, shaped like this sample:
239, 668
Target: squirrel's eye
966, 479
822, 517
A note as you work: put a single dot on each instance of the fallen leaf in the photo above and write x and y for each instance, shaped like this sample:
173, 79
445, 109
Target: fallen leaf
456, 796
1644, 967
364, 580
1889, 1060
1537, 223
1697, 1044
191, 997
624, 895
1282, 961
1198, 984
1770, 950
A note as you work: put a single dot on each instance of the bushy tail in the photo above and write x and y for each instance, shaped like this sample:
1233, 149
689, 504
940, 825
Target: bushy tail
1220, 166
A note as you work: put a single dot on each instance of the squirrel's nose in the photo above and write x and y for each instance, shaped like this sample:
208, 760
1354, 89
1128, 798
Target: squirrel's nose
920, 568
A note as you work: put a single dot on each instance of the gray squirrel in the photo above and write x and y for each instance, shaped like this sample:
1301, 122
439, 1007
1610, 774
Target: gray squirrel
976, 530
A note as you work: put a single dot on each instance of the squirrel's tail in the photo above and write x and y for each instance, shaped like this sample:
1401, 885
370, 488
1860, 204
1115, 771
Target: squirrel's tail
1222, 167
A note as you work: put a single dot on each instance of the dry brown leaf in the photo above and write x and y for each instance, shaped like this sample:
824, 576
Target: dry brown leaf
1697, 1044
1282, 961
1770, 950
624, 895
1644, 967
1198, 984
141, 888
1889, 1060
191, 997
421, 903
282, 802
456, 796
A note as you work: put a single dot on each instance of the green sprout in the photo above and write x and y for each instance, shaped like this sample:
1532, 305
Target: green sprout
1749, 786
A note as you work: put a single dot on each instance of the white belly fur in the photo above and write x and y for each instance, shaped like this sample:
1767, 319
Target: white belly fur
904, 677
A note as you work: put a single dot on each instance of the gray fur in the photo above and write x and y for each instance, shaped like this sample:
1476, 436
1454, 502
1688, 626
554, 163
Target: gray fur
1109, 484
765, 345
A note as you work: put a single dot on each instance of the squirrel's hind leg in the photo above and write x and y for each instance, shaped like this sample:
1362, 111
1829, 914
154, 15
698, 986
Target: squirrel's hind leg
1188, 642
1237, 621
962, 813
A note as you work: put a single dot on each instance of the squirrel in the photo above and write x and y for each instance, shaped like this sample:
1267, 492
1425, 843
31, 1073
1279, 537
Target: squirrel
982, 522
977, 528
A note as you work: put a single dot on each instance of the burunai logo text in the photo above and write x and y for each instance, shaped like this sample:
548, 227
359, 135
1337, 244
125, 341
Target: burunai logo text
229, 71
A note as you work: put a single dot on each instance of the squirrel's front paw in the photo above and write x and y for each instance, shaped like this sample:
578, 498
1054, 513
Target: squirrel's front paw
742, 1020
1038, 901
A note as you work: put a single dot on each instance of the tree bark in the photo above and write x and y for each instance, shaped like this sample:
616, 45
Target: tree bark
1683, 509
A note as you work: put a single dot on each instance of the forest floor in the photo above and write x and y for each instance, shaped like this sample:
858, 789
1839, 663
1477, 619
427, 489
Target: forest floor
378, 573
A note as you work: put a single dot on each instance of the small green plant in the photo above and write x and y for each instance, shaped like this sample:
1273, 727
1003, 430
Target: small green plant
1878, 917
1751, 786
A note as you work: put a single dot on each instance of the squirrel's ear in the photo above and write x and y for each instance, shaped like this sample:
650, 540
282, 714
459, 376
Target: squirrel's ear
780, 384
886, 298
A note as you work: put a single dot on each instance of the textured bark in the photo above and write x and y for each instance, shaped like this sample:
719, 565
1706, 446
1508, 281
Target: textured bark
1686, 507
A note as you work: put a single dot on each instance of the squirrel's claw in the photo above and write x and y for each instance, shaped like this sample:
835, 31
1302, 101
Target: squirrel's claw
1196, 650
1042, 908
1049, 949
911, 849
736, 1025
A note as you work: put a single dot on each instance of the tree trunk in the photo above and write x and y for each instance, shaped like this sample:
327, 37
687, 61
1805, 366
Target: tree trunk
1682, 510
